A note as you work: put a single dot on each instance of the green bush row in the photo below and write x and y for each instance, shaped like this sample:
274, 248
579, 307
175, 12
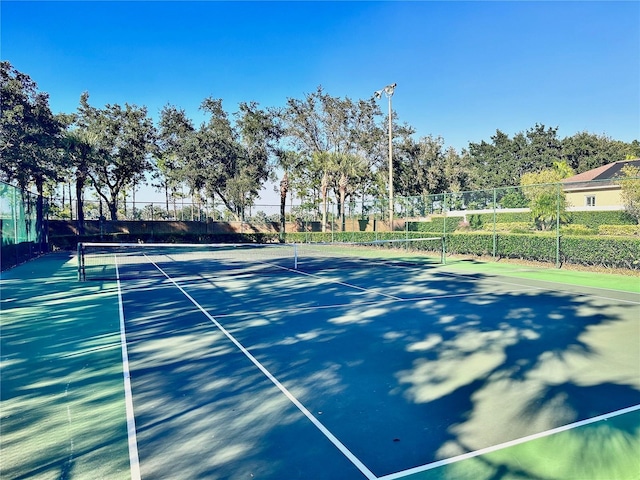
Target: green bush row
508, 227
571, 229
501, 217
308, 237
611, 252
595, 219
629, 230
577, 229
601, 251
579, 223
614, 252
436, 225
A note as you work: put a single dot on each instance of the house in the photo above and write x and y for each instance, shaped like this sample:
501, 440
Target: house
596, 189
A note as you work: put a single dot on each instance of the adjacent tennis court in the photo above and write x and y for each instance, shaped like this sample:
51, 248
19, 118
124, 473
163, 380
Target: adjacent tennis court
285, 362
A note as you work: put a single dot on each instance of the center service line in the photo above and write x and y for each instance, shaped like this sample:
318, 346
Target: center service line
345, 451
134, 460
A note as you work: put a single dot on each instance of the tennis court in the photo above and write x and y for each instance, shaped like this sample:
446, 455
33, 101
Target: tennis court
179, 364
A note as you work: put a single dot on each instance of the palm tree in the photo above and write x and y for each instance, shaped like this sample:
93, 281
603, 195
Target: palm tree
284, 188
349, 168
81, 146
324, 189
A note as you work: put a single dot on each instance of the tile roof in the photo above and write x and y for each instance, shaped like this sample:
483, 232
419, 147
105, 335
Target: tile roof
603, 173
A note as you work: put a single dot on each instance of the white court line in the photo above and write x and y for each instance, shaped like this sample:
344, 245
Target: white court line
501, 446
296, 309
494, 278
134, 460
345, 451
344, 284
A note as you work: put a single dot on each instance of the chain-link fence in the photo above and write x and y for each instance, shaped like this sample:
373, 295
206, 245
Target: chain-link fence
556, 223
590, 223
23, 236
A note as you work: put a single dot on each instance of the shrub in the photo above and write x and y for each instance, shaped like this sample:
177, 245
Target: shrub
515, 227
577, 229
610, 252
628, 230
436, 225
595, 219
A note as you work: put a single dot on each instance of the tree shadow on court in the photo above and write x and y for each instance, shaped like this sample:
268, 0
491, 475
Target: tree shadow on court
62, 413
405, 366
203, 409
469, 364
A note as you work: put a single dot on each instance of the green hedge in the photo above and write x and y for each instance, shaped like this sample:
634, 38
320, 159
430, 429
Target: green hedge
595, 219
611, 252
478, 244
436, 225
480, 221
519, 227
628, 230
615, 252
577, 229
313, 237
601, 251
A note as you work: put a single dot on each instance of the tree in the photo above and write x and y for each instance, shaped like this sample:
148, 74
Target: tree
232, 161
349, 169
320, 124
125, 139
630, 190
288, 162
29, 135
546, 197
421, 166
585, 151
494, 164
503, 162
80, 147
176, 146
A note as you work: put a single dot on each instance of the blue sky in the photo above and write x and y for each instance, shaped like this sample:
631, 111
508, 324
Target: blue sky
463, 69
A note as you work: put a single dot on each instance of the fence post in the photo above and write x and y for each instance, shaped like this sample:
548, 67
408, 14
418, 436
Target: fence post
333, 218
495, 233
444, 228
406, 221
558, 225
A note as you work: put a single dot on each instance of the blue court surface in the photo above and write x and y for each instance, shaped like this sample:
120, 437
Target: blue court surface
188, 367
381, 372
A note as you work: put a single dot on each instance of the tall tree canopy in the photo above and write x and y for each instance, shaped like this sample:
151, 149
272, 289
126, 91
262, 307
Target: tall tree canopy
326, 145
125, 138
229, 161
505, 160
30, 135
342, 142
630, 190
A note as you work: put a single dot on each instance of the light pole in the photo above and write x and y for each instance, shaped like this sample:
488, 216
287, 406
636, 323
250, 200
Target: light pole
388, 91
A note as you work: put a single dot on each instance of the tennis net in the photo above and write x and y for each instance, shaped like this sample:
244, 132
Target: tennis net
108, 261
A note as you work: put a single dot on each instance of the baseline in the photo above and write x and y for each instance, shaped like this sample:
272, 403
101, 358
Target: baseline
502, 446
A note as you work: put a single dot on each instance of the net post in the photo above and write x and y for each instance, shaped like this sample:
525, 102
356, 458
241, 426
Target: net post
80, 266
295, 256
443, 254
